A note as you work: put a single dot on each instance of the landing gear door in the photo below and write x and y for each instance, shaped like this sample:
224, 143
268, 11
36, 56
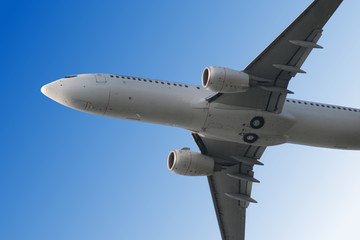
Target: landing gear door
100, 78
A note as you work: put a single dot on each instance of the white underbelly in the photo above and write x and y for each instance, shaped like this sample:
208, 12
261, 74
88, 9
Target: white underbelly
234, 124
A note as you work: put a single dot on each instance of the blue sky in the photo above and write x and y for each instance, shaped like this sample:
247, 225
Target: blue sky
69, 175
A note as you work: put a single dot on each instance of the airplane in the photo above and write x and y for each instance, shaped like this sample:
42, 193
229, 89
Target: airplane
233, 117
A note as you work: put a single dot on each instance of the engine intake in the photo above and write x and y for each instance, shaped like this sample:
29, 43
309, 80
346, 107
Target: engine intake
188, 163
225, 80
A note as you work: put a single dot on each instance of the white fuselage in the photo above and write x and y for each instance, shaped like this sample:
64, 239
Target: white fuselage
185, 106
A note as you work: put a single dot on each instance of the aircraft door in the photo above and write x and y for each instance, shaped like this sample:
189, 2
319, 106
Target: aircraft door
100, 78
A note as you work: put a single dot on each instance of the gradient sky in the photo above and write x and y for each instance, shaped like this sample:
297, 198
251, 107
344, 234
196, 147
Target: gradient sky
70, 175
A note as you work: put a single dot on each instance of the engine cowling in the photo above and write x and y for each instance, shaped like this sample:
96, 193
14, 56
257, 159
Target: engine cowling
188, 163
225, 80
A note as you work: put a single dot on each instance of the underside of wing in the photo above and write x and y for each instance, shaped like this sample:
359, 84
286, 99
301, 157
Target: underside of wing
283, 59
231, 187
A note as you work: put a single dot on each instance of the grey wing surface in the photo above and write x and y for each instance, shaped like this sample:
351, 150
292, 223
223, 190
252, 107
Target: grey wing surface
231, 187
282, 60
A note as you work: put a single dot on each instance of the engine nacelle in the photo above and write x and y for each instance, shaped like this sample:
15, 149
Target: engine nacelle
225, 80
188, 163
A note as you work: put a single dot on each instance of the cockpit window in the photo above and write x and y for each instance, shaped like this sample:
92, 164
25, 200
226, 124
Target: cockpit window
71, 76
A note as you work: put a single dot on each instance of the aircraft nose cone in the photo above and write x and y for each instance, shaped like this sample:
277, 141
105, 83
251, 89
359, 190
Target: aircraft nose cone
68, 92
50, 90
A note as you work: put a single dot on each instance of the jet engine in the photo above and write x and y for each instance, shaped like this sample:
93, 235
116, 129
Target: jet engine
225, 80
188, 163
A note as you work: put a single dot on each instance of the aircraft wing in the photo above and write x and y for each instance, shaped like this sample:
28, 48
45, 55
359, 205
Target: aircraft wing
272, 69
231, 187
282, 60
